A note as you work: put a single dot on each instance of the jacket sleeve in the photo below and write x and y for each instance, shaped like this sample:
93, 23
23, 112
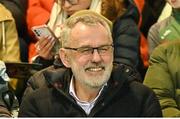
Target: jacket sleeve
151, 106
158, 78
126, 38
146, 99
11, 51
37, 13
153, 37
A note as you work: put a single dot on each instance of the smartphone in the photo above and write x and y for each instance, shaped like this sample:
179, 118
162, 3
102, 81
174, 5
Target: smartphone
44, 31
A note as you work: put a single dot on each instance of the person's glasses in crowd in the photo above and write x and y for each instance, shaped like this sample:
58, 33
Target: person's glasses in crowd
88, 51
72, 2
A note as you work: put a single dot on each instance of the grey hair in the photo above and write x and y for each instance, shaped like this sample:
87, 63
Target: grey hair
88, 18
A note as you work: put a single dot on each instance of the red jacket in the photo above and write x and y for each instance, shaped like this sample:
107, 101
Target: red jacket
38, 13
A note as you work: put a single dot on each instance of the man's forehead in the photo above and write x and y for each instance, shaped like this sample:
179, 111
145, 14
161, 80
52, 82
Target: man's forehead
83, 30
87, 34
84, 26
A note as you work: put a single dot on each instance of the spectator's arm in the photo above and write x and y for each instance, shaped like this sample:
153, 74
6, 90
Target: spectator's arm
12, 50
126, 38
158, 77
153, 38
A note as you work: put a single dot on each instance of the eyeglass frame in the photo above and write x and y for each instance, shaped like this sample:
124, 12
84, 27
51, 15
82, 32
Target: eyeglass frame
72, 2
90, 50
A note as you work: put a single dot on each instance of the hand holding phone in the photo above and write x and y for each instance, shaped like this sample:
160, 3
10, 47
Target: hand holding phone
43, 31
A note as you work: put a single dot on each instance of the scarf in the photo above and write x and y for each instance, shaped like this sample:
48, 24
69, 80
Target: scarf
58, 15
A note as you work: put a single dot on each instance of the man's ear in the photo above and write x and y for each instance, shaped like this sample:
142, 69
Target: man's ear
64, 58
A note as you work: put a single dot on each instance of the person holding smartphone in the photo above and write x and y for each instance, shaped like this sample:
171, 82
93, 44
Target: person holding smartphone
53, 13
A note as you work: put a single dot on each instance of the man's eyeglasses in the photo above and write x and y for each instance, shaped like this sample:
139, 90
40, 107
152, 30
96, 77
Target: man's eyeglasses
72, 2
102, 50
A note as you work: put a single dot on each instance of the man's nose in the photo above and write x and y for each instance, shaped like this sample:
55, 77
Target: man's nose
96, 57
66, 4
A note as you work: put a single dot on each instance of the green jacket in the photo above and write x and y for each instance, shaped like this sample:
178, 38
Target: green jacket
163, 76
9, 44
166, 30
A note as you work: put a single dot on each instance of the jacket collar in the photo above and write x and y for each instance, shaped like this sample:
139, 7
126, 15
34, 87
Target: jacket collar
60, 77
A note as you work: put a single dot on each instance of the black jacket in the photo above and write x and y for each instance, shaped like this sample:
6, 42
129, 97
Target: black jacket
122, 97
150, 14
126, 36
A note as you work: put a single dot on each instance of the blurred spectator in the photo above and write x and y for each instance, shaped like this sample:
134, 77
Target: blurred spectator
9, 44
8, 102
18, 11
163, 76
53, 13
4, 112
126, 36
150, 13
168, 29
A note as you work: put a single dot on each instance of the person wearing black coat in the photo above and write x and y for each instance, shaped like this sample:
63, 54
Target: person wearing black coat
126, 36
89, 85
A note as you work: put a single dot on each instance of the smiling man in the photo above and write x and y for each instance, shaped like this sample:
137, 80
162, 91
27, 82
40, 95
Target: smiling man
90, 85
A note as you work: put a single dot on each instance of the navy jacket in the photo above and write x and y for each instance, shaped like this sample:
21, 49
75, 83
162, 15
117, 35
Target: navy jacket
126, 37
